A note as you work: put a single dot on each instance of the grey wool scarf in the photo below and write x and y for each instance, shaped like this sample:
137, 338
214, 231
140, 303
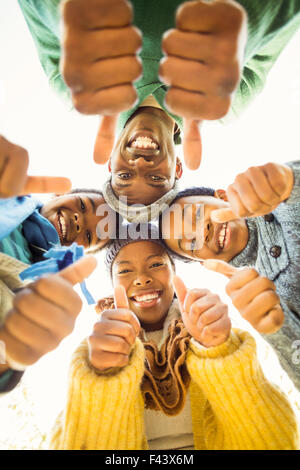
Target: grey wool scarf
138, 213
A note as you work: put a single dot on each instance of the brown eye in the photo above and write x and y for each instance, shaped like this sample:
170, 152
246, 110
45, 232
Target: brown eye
156, 178
156, 265
124, 176
82, 205
89, 237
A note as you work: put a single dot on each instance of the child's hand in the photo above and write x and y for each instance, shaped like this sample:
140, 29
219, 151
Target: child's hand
202, 65
257, 191
43, 314
100, 62
14, 180
205, 316
254, 296
114, 334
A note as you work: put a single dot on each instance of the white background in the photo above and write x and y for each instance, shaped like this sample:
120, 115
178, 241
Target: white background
60, 142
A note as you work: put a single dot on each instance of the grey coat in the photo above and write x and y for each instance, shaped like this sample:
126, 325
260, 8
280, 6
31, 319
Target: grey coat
274, 250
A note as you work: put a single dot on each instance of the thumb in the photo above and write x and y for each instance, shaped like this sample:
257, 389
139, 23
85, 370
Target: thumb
77, 272
46, 184
120, 297
222, 215
105, 138
192, 143
220, 267
180, 290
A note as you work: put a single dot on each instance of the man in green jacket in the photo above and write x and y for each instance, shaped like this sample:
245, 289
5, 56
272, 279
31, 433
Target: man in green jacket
208, 53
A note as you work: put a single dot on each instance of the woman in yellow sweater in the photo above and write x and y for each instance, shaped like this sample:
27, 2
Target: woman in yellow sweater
158, 374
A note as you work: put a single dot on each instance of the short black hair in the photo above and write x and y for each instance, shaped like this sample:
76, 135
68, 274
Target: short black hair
145, 232
192, 191
86, 190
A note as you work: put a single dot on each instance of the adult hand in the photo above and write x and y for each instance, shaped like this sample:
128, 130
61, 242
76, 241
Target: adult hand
257, 191
205, 316
99, 60
14, 180
43, 314
203, 65
114, 334
253, 295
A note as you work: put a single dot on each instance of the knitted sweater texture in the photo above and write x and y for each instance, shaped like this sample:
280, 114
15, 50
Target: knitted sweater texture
279, 233
233, 405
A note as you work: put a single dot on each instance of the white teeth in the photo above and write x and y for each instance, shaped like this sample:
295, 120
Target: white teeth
143, 142
62, 225
222, 235
146, 297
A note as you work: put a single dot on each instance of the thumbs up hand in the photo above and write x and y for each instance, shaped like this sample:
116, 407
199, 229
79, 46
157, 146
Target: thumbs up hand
253, 295
100, 62
204, 315
257, 191
43, 314
202, 65
14, 180
114, 334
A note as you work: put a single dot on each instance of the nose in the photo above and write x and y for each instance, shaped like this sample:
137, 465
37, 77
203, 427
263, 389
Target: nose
139, 162
143, 280
77, 222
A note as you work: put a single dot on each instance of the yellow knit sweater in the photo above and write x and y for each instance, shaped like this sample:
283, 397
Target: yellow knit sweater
233, 405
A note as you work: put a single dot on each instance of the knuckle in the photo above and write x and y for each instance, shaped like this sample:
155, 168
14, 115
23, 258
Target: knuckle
168, 39
137, 68
136, 37
81, 104
265, 283
251, 272
129, 333
95, 359
122, 360
226, 79
226, 49
41, 284
76, 306
277, 317
217, 107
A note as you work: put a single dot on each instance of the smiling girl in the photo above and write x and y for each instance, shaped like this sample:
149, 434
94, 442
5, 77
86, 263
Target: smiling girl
162, 373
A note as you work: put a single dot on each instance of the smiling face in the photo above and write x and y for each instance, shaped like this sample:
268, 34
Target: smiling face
220, 241
146, 272
75, 220
143, 162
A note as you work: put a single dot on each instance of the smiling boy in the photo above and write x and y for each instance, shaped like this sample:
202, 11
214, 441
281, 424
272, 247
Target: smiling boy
154, 365
206, 46
144, 168
257, 227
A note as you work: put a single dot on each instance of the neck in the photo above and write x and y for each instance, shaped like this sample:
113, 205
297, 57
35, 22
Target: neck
154, 326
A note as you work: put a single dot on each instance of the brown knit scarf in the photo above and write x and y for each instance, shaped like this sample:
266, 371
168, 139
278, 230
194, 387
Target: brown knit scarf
166, 378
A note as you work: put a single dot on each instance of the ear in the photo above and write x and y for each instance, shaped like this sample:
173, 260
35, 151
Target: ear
179, 170
221, 194
109, 165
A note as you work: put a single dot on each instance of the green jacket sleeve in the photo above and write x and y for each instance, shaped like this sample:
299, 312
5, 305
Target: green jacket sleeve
271, 24
43, 19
